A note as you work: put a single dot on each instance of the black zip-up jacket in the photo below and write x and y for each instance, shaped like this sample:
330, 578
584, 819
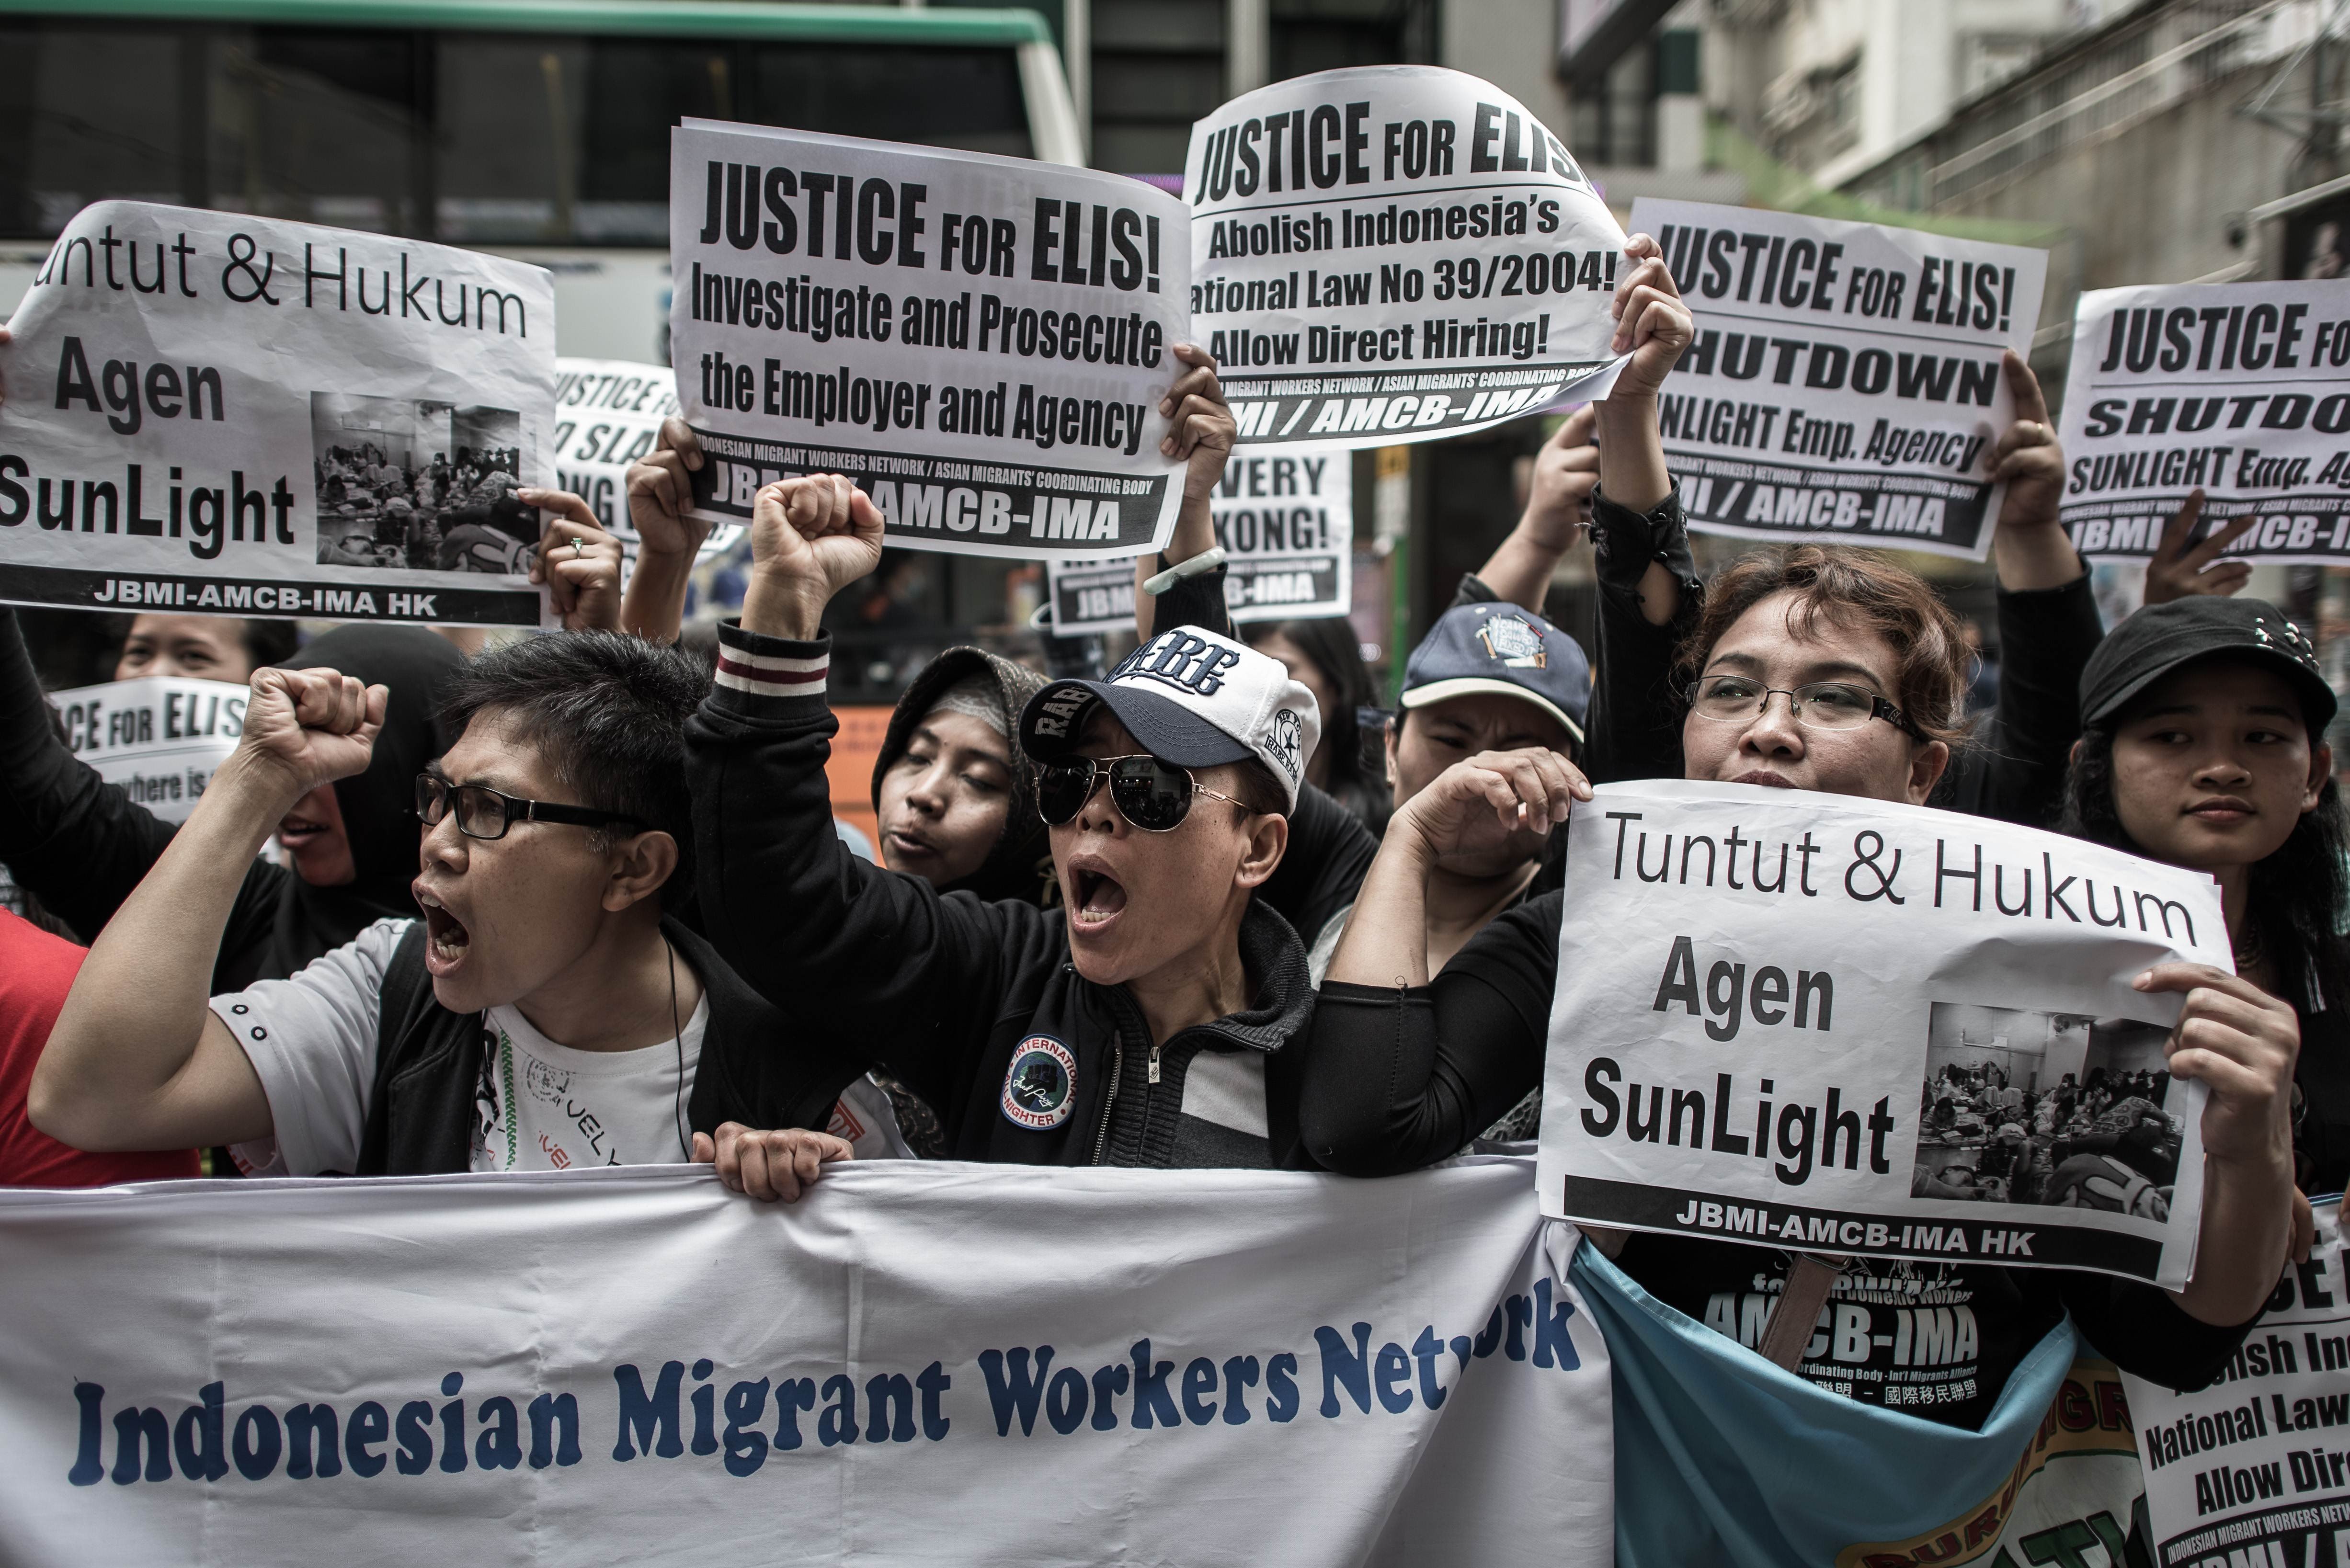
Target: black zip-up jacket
975, 1005
420, 1110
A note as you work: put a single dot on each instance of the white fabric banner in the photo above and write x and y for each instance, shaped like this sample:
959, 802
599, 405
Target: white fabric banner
228, 415
1395, 253
160, 736
2256, 1467
1845, 382
607, 415
1287, 526
982, 343
919, 1363
1872, 1028
2239, 390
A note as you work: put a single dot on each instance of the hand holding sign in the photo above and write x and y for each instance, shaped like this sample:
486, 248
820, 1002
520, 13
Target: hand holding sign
578, 561
809, 538
309, 727
1567, 470
1652, 325
2178, 572
2239, 1043
1200, 429
660, 495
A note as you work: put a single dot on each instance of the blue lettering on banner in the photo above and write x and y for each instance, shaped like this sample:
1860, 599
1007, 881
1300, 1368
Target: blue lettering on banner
696, 1411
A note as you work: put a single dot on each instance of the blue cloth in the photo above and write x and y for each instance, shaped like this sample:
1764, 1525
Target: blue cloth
1722, 1458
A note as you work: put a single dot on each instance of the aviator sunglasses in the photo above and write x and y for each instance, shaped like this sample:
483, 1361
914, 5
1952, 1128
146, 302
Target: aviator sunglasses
1155, 796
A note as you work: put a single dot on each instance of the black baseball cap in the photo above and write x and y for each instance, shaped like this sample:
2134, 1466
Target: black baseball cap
2159, 639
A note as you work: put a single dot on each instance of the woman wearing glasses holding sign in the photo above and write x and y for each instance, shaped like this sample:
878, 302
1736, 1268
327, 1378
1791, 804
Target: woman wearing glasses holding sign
1816, 668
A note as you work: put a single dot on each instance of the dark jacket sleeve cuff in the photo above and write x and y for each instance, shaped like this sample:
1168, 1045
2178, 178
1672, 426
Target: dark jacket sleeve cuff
1194, 601
1473, 590
1624, 541
769, 677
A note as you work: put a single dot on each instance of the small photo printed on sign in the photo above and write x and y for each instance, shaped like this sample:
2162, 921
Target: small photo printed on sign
2060, 1110
408, 483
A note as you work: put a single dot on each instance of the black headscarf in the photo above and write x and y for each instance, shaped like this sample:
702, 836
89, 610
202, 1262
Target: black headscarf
378, 804
1021, 865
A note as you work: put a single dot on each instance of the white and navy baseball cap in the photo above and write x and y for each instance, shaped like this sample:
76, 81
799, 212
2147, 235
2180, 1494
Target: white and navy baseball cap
1192, 697
1505, 650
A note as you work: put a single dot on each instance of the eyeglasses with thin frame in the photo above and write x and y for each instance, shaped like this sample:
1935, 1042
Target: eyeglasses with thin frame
484, 812
1819, 705
1153, 795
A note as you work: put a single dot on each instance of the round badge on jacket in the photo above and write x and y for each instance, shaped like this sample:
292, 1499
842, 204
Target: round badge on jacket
1040, 1085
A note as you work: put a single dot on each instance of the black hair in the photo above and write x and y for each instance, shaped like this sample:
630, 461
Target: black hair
1263, 793
269, 641
2298, 892
1338, 652
606, 711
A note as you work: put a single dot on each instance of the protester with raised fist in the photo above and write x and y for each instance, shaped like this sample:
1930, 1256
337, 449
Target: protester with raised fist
1151, 1019
2205, 747
542, 1013
81, 844
954, 802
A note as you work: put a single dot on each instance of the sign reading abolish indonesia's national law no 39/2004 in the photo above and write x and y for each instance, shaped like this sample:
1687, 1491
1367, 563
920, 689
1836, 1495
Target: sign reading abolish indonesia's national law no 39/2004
1395, 253
1939, 1056
2238, 389
221, 414
981, 343
1845, 382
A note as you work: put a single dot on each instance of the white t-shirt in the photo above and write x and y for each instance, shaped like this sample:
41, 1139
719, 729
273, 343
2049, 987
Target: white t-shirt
541, 1105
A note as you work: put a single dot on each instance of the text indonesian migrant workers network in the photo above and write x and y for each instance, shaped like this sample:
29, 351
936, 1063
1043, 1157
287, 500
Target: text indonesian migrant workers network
213, 413
981, 343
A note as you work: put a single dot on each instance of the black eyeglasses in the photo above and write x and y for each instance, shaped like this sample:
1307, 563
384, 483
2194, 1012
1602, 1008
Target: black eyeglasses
484, 812
1822, 705
1155, 796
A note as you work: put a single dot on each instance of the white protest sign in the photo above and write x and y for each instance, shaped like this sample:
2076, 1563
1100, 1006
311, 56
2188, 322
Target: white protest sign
1395, 253
1845, 382
607, 415
2239, 390
160, 736
231, 415
2256, 1467
1287, 526
982, 343
1760, 989
917, 1363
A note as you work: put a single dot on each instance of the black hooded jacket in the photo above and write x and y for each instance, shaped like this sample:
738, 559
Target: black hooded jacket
1021, 863
80, 845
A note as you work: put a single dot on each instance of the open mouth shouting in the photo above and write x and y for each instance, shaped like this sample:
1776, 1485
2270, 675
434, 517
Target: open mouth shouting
1096, 899
446, 939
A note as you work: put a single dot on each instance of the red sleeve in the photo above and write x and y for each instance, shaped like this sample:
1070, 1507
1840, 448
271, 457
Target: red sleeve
37, 970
